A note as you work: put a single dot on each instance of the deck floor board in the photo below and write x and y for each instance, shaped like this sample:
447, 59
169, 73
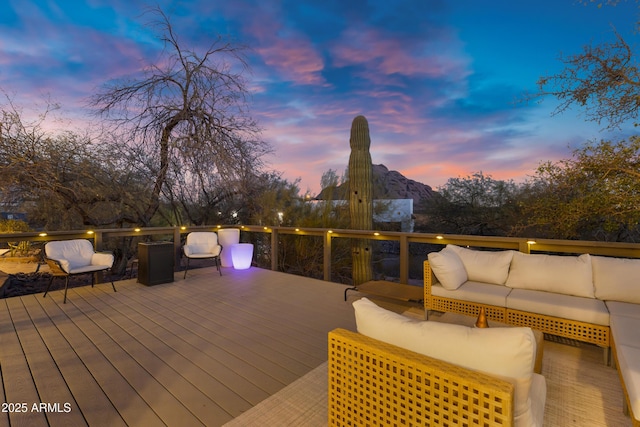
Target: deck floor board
197, 351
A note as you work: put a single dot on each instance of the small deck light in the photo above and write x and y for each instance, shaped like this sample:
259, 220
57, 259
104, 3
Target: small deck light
90, 232
531, 242
439, 237
42, 234
137, 230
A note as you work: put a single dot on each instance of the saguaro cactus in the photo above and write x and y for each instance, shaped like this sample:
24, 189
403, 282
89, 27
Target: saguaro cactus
360, 197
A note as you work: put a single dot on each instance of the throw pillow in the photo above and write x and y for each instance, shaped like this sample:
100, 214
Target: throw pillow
448, 268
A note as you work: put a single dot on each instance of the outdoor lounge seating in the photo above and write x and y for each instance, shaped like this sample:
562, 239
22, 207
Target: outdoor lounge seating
428, 373
593, 299
74, 257
202, 245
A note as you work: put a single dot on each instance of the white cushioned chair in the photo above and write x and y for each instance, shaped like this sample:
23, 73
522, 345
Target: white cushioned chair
202, 245
73, 257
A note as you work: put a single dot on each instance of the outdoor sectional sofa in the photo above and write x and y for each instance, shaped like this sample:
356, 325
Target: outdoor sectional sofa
593, 299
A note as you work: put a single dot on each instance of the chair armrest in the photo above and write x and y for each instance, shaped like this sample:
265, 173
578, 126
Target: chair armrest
187, 250
102, 258
58, 266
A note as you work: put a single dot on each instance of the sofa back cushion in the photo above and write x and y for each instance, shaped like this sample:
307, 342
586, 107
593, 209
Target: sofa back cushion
448, 268
484, 266
569, 275
508, 353
616, 279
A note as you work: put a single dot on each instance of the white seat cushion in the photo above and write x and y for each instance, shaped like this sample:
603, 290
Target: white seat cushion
88, 269
629, 366
588, 310
481, 293
623, 309
484, 266
568, 275
508, 353
616, 279
448, 268
625, 331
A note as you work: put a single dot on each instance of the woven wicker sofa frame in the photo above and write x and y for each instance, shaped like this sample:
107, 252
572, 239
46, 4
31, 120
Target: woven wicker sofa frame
581, 331
374, 383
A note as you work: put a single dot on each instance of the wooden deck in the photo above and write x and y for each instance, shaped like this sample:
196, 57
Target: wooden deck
198, 351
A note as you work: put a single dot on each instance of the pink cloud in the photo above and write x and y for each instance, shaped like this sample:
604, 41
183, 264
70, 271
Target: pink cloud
295, 60
388, 55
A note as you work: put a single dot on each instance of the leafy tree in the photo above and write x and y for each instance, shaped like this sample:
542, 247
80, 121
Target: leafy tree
594, 195
185, 120
476, 204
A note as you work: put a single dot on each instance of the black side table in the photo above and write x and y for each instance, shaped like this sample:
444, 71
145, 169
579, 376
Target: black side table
155, 263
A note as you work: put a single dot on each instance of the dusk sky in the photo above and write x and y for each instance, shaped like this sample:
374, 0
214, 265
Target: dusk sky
437, 80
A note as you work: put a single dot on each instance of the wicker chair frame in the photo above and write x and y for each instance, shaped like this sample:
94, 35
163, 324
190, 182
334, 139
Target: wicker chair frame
372, 383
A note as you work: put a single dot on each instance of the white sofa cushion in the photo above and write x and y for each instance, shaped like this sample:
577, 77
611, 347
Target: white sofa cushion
448, 268
589, 310
628, 309
629, 367
481, 293
505, 352
616, 279
484, 266
625, 331
569, 275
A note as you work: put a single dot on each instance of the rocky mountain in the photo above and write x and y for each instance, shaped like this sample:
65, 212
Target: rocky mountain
387, 184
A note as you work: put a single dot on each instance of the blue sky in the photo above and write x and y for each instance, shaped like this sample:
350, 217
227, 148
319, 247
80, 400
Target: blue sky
437, 80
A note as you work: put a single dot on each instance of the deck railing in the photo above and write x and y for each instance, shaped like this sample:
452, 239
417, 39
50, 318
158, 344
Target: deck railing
174, 234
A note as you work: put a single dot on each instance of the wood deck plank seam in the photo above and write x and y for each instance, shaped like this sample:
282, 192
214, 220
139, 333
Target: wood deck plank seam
136, 360
116, 388
130, 373
208, 385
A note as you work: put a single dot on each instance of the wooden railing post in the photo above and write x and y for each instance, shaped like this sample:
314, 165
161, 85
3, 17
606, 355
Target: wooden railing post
404, 259
327, 255
176, 248
97, 240
274, 249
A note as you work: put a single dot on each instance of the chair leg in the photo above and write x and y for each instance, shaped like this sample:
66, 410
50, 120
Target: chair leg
186, 269
218, 265
66, 286
48, 286
112, 285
